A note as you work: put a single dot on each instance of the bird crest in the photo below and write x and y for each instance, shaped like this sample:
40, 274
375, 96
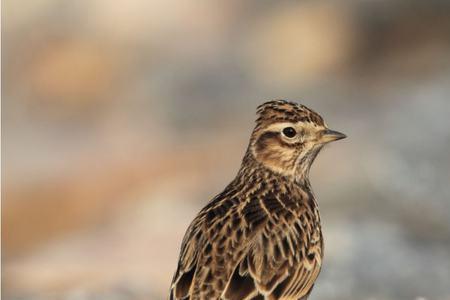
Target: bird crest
275, 111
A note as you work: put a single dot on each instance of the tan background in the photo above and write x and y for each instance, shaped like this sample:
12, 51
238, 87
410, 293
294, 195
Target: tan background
121, 119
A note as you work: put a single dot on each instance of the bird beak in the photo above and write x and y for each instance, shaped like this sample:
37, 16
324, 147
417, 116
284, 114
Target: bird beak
329, 135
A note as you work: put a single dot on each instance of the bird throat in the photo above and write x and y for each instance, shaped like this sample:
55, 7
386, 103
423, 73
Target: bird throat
298, 172
304, 163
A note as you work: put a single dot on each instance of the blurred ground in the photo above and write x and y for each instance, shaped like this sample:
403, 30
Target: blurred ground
121, 119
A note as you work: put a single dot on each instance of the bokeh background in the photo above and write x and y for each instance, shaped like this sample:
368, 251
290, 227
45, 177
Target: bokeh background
121, 119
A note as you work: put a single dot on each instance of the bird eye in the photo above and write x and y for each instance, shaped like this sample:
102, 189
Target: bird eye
289, 132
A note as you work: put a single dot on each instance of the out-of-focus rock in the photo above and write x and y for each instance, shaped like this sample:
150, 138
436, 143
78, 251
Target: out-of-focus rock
299, 42
42, 210
72, 75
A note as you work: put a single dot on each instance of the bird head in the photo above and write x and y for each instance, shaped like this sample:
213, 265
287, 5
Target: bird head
288, 136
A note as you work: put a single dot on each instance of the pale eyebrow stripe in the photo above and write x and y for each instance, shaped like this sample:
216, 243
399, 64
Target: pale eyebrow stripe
279, 126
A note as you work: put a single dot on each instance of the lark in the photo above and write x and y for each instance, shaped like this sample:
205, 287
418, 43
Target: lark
261, 237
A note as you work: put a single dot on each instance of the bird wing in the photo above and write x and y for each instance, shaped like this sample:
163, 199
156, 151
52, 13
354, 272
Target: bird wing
255, 249
284, 260
187, 262
215, 242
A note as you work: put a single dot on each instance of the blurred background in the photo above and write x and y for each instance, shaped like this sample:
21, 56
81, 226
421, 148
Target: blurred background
121, 119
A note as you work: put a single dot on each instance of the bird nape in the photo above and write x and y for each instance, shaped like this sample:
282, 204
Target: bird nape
261, 237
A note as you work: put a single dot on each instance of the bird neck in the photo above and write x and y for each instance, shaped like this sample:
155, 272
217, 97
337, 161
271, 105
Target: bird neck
301, 174
253, 176
252, 170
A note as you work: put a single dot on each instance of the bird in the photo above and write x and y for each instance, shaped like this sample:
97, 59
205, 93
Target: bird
261, 237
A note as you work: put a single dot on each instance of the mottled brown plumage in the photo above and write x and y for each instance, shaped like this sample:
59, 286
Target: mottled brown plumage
261, 237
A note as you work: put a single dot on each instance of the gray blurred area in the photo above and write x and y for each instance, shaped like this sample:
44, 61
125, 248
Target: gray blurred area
121, 119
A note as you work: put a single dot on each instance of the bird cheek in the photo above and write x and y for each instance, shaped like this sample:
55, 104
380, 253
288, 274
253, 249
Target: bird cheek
307, 140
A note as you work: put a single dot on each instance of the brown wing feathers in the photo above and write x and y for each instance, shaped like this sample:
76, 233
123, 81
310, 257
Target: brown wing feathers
246, 248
